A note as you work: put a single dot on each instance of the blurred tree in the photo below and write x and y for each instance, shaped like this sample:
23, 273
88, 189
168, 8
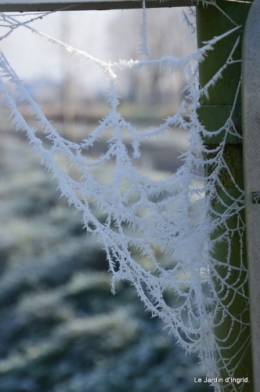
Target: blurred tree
165, 36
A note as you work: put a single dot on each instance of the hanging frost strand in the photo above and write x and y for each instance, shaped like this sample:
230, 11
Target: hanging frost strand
143, 47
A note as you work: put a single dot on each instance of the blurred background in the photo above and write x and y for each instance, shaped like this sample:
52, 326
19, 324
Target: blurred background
61, 329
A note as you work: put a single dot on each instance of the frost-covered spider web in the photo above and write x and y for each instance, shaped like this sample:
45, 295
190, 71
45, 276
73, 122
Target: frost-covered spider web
162, 219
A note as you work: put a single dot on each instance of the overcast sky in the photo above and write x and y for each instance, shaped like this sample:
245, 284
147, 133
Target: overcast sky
34, 57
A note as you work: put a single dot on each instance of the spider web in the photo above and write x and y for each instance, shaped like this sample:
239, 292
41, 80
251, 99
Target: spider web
170, 217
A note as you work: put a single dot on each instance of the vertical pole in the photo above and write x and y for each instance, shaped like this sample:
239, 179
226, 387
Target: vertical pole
251, 147
213, 113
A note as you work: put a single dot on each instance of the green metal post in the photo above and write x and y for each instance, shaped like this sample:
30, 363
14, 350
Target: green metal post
213, 113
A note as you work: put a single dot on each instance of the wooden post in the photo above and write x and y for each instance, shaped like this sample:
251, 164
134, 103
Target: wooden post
80, 5
214, 112
251, 136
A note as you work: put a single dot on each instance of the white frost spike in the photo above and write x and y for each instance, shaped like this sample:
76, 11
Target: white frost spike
143, 47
